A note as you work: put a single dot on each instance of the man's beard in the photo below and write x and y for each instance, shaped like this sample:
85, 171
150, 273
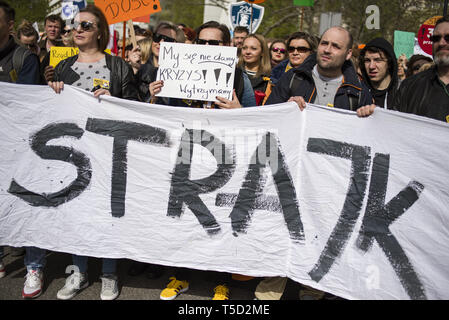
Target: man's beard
441, 60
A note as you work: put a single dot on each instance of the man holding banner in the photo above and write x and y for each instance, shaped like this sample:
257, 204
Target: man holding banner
26, 72
326, 78
379, 69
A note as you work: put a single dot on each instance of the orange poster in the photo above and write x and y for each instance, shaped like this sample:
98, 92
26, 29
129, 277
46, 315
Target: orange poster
123, 10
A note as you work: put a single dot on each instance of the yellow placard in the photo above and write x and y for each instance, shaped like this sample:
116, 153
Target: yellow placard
102, 83
447, 119
57, 54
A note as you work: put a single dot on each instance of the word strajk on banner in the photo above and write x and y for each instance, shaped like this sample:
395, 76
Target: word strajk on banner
287, 196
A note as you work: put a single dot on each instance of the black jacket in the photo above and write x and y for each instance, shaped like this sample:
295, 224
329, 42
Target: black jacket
424, 94
379, 96
18, 64
351, 95
122, 84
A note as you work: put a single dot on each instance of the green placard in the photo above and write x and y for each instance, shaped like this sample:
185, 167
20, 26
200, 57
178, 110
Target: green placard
303, 3
404, 43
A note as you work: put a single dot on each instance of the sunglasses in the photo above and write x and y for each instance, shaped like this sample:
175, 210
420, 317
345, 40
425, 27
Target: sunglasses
158, 37
300, 49
64, 31
211, 42
85, 25
31, 46
416, 67
281, 50
437, 38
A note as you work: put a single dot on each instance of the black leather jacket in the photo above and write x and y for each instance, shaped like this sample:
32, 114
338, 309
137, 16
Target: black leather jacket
425, 95
122, 84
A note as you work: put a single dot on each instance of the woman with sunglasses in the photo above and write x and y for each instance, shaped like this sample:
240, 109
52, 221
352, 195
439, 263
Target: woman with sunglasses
115, 77
91, 36
278, 52
67, 37
300, 45
255, 62
164, 31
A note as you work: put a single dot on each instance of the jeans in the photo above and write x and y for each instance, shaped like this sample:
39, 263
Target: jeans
109, 265
35, 258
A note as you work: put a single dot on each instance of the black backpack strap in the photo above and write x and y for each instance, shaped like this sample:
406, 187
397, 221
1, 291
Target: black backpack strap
18, 58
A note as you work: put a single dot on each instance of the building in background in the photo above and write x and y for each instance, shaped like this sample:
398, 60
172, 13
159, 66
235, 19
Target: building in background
213, 12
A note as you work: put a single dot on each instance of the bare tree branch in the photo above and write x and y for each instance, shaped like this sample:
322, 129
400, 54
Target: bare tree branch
281, 21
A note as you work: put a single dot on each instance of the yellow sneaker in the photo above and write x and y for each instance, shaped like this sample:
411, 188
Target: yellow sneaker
174, 289
221, 293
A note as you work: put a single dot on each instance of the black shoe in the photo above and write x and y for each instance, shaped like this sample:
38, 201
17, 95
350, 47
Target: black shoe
154, 271
137, 268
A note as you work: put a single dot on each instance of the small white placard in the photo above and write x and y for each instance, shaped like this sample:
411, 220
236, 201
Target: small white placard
196, 72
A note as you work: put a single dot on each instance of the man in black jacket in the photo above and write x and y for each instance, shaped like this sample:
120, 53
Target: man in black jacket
380, 71
17, 64
426, 93
326, 78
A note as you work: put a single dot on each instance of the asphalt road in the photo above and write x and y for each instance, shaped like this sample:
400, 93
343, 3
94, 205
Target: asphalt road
131, 288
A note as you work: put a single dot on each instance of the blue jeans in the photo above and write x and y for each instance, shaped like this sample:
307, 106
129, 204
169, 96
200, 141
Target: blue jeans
35, 258
109, 265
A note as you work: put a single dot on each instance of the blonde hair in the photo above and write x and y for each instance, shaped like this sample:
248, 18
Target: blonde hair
145, 49
265, 59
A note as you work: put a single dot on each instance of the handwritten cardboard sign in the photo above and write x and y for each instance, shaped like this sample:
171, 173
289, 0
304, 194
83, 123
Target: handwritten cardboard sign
57, 54
196, 72
123, 10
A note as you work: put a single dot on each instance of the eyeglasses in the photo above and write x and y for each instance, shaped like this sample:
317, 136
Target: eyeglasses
211, 42
85, 25
158, 37
64, 31
281, 50
437, 38
300, 49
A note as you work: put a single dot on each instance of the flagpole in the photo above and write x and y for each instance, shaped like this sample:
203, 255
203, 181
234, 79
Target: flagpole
251, 21
124, 40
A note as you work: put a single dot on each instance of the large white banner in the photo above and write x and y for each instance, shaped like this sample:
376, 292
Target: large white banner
355, 207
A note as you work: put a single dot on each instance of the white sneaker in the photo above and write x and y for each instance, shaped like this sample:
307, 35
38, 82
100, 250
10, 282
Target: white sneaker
73, 284
109, 288
2, 269
33, 284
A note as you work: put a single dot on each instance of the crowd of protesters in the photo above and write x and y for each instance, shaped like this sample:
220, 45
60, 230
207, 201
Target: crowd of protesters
330, 70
